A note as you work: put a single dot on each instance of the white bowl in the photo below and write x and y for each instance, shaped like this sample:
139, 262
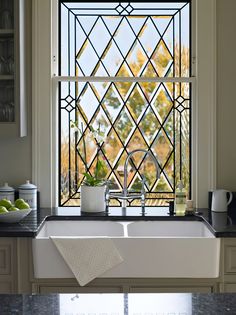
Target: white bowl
14, 216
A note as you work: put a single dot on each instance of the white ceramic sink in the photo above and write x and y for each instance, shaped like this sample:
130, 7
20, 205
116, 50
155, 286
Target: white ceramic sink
150, 249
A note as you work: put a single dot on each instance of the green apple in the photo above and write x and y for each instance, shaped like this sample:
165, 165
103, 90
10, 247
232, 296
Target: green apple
18, 202
5, 203
3, 209
23, 205
13, 209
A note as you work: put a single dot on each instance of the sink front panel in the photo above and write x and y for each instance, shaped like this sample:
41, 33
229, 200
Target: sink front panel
167, 258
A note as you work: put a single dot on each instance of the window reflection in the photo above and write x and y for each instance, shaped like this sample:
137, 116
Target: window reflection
160, 304
126, 304
92, 304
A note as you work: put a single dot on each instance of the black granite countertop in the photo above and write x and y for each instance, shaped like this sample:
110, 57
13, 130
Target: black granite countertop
221, 224
119, 304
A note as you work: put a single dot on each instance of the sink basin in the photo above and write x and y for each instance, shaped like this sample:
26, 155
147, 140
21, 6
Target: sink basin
80, 228
169, 229
150, 249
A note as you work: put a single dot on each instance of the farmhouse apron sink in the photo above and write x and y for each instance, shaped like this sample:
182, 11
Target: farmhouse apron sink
150, 249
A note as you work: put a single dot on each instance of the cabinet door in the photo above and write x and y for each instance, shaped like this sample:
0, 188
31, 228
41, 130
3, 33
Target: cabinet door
8, 277
5, 258
7, 62
12, 69
5, 287
172, 289
230, 287
44, 289
230, 259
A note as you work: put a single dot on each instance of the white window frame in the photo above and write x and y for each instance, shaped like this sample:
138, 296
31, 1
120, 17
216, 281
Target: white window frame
44, 102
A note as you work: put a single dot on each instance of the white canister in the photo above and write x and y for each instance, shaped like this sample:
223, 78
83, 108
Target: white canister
7, 192
28, 192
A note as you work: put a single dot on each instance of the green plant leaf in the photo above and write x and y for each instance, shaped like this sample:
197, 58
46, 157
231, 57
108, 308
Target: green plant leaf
92, 181
98, 168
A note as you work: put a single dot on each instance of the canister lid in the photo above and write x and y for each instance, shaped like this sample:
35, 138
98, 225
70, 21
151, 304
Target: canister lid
28, 186
6, 188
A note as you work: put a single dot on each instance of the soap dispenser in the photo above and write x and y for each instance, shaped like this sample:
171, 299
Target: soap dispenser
180, 199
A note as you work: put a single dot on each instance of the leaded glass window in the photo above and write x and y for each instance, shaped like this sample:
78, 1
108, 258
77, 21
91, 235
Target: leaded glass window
125, 69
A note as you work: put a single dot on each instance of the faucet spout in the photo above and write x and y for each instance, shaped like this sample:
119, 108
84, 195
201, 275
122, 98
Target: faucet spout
124, 196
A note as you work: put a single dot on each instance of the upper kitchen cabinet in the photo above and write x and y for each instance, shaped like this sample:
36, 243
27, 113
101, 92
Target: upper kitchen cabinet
13, 107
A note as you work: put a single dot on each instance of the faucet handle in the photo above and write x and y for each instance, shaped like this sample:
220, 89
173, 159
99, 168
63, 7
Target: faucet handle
107, 182
171, 207
143, 194
144, 180
107, 195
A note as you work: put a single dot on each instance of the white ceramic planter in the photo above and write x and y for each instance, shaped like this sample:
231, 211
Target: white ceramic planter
93, 198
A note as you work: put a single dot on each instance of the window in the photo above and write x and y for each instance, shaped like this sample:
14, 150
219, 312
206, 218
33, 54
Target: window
132, 64
45, 103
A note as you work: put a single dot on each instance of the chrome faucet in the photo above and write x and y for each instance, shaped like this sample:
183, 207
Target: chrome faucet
124, 196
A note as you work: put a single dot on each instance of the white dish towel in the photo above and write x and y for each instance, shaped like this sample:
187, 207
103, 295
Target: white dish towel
88, 258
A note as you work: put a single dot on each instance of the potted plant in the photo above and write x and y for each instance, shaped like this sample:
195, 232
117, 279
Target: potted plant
93, 189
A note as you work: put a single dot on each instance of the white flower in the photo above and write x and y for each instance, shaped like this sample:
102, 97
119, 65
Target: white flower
100, 139
99, 136
74, 126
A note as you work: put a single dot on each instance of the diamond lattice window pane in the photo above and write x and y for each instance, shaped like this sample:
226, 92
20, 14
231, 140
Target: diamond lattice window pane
112, 103
162, 59
137, 59
144, 37
98, 30
124, 37
162, 147
124, 125
136, 102
162, 103
91, 148
149, 126
100, 122
137, 142
88, 102
112, 147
